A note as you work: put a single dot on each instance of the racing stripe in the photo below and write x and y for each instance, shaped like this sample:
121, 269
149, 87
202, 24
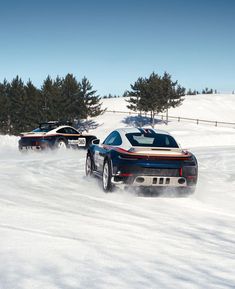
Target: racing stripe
150, 130
146, 130
184, 156
141, 130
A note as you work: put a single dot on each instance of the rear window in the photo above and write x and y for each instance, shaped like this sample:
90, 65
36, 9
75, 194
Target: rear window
151, 140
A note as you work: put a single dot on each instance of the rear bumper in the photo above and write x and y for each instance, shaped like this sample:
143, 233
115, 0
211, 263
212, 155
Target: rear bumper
159, 181
155, 174
30, 148
38, 147
27, 144
151, 181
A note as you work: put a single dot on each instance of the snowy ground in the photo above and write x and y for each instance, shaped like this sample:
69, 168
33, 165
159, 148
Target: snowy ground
59, 230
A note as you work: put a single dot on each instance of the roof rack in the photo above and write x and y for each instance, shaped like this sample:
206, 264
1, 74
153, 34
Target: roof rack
55, 123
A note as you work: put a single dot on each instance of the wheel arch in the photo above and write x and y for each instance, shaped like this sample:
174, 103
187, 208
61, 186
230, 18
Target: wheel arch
59, 138
108, 159
89, 139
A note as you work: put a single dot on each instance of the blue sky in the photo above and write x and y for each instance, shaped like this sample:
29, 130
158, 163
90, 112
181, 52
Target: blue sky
113, 43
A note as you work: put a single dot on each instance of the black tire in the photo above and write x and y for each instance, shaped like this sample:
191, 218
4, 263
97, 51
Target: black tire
107, 176
89, 166
61, 144
22, 150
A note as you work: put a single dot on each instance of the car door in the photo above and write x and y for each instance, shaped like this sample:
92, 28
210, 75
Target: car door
113, 139
75, 139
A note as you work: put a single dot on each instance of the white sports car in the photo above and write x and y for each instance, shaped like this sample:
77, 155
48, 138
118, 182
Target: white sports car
54, 134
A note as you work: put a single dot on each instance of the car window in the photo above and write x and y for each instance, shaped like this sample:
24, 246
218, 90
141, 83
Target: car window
67, 130
70, 130
151, 140
40, 130
43, 128
113, 139
62, 130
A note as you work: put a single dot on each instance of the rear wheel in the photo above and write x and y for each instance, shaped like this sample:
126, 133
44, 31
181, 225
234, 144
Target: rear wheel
61, 144
107, 176
89, 166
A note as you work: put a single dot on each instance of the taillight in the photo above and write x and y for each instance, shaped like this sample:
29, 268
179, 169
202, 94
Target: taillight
181, 172
191, 177
125, 175
128, 157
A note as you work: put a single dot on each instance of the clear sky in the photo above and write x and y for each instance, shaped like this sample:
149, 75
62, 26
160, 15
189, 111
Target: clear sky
112, 42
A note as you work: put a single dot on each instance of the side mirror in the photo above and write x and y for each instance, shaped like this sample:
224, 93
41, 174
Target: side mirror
95, 141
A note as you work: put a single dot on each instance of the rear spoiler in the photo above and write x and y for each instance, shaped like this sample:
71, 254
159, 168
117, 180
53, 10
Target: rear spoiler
155, 153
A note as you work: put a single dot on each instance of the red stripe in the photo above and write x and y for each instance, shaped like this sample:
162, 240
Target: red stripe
49, 135
125, 175
181, 172
184, 156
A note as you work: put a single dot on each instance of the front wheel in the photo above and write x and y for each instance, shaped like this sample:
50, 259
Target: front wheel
107, 176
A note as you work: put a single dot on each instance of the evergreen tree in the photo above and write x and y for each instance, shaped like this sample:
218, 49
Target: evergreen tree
4, 107
171, 93
71, 102
91, 101
155, 94
17, 98
191, 92
137, 92
207, 91
32, 106
49, 96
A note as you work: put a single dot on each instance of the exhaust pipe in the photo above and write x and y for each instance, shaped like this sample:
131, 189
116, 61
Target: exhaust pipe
181, 181
140, 180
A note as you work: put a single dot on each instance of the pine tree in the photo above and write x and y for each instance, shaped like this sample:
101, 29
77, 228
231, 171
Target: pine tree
155, 94
4, 107
71, 102
172, 93
137, 92
17, 99
47, 92
32, 106
91, 101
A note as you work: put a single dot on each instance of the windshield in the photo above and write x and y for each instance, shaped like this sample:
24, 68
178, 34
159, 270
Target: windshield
151, 140
45, 127
41, 129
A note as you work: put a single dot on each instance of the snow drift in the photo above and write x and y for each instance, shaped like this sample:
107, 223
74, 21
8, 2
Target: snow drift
59, 230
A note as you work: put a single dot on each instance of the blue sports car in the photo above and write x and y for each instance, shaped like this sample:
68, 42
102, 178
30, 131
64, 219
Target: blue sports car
143, 158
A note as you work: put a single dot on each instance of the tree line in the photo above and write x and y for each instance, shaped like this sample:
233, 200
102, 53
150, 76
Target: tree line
204, 91
23, 106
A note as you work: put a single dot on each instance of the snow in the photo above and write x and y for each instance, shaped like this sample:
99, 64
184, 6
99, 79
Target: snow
59, 230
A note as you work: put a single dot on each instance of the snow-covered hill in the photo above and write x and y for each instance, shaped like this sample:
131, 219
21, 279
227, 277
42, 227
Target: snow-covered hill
59, 230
